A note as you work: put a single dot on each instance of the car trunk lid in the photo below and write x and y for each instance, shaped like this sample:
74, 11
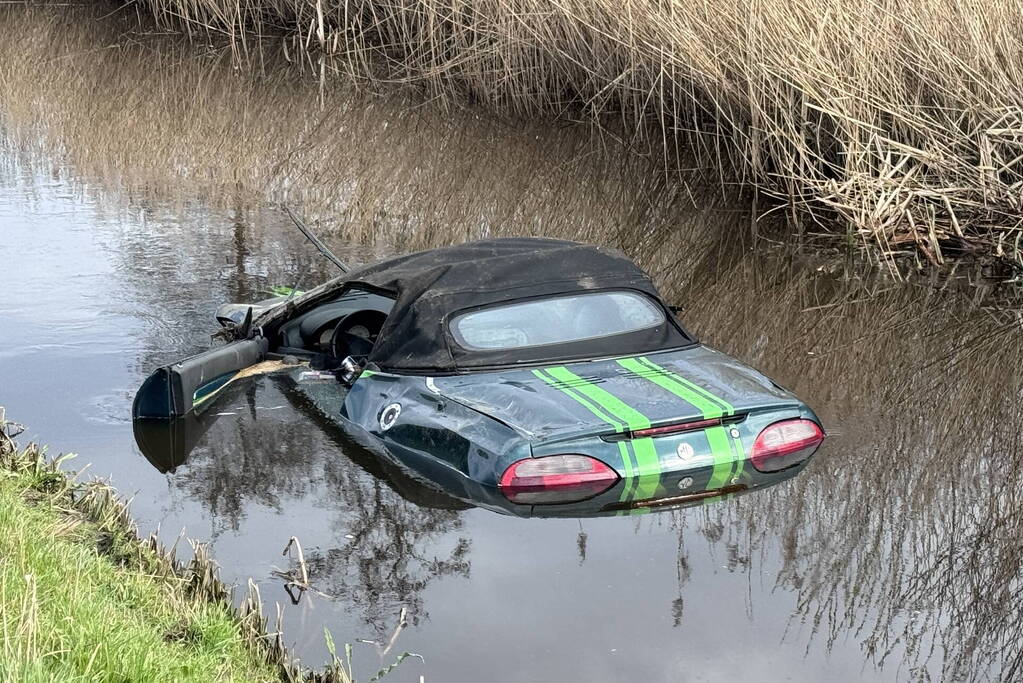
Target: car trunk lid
620, 395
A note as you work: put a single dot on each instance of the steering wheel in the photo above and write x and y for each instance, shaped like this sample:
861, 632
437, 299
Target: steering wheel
356, 333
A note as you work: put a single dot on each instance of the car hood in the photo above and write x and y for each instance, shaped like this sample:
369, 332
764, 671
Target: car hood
563, 402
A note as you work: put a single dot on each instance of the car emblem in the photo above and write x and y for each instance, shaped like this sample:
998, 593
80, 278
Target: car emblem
684, 483
389, 416
685, 451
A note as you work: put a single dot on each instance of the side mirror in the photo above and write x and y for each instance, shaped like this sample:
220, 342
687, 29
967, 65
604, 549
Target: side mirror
235, 325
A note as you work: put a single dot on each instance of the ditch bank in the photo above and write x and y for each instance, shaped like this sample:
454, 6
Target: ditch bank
84, 597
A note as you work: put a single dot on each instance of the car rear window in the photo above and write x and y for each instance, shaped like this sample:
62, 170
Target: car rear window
556, 320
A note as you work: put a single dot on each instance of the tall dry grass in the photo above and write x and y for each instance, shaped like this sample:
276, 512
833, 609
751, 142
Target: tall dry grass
898, 122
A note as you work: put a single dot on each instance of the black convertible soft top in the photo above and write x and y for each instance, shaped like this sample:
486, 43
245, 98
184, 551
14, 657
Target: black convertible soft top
430, 287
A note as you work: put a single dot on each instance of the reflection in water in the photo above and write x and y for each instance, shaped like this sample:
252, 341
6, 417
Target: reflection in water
903, 530
900, 544
258, 451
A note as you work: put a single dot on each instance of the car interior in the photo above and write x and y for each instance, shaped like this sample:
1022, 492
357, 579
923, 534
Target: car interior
346, 326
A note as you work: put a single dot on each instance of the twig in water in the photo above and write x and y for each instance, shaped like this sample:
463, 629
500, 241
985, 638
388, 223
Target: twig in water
304, 584
397, 631
301, 582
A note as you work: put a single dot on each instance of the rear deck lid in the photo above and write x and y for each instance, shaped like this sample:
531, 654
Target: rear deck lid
562, 402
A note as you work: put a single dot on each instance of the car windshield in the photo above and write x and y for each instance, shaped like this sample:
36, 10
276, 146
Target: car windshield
556, 320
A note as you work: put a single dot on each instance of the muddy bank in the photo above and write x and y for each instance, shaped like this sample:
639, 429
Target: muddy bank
897, 547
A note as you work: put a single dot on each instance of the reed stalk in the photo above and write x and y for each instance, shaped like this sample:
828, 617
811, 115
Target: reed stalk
898, 123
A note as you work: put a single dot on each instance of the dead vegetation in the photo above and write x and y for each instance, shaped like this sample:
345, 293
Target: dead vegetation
898, 124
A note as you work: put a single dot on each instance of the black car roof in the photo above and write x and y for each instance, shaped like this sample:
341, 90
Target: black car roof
431, 286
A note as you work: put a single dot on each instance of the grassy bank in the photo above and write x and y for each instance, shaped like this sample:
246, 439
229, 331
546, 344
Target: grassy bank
83, 598
71, 614
898, 123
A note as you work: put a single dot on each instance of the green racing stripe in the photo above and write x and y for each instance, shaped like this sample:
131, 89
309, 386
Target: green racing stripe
718, 440
727, 452
643, 473
714, 403
647, 472
593, 408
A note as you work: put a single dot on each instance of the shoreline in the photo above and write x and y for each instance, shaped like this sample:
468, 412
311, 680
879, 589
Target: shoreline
82, 593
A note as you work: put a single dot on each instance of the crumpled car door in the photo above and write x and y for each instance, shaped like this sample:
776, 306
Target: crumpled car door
193, 384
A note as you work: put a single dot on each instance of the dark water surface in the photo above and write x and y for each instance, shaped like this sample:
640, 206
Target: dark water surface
95, 297
896, 555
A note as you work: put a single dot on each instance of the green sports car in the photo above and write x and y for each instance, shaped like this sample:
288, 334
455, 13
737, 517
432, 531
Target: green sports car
536, 377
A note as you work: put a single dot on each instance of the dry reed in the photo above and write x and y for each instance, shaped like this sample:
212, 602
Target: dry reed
899, 119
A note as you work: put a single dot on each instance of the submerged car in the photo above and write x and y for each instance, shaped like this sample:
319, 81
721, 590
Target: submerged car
531, 376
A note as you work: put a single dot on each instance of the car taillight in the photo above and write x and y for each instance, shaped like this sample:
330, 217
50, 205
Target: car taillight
556, 479
785, 443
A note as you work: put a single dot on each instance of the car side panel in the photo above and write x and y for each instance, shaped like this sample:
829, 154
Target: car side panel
430, 425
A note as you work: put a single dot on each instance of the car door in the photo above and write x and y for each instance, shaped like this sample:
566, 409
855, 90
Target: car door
191, 385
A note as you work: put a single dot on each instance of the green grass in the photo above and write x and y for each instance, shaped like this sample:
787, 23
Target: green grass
69, 612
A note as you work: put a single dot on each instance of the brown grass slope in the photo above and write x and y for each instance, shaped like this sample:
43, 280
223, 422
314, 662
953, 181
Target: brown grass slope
899, 122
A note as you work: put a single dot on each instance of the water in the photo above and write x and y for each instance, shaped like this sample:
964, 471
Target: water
89, 312
895, 555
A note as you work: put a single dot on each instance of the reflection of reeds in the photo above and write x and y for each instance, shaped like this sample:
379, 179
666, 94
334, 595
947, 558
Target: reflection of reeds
156, 116
906, 529
901, 119
151, 115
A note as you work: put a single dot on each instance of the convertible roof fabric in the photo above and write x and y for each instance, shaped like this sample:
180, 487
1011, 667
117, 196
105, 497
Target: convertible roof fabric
432, 286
